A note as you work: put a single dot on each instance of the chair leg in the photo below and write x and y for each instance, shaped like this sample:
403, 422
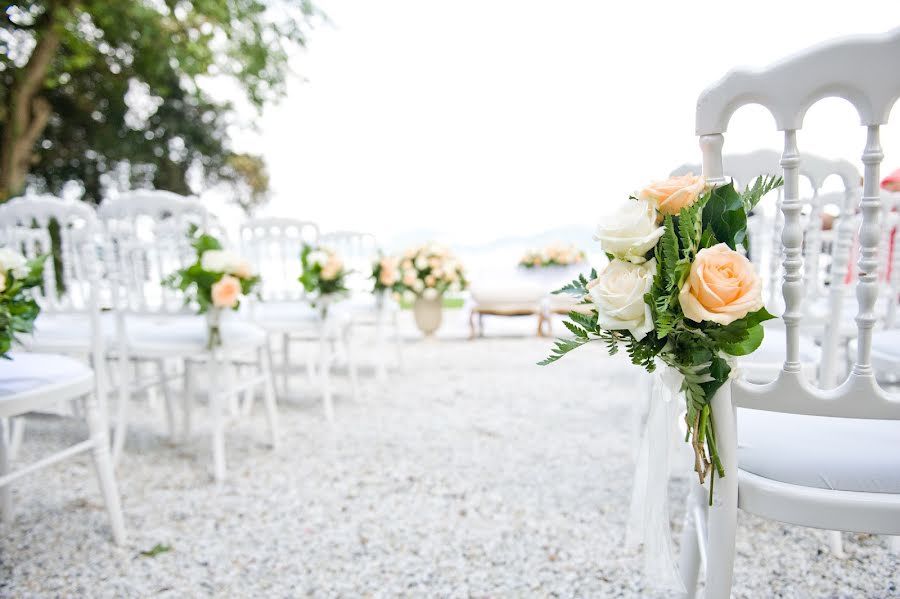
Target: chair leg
16, 434
216, 407
380, 348
398, 340
6, 506
689, 558
836, 544
271, 362
187, 402
104, 467
285, 362
351, 363
168, 399
721, 523
122, 408
325, 373
269, 396
894, 545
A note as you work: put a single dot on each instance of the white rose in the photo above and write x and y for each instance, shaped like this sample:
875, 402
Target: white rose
618, 295
418, 286
430, 294
630, 231
421, 263
14, 261
317, 258
409, 297
214, 261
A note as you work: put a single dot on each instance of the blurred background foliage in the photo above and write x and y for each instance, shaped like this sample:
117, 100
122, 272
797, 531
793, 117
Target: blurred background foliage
113, 93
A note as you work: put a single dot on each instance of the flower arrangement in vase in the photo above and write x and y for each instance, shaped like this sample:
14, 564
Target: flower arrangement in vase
555, 254
425, 273
18, 309
323, 276
215, 282
679, 291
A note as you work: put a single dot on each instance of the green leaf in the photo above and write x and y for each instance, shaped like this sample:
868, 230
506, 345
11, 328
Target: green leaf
724, 213
760, 187
561, 348
156, 550
753, 339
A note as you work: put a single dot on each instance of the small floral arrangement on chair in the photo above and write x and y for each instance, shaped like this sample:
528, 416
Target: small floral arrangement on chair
677, 290
556, 254
385, 274
18, 309
215, 282
324, 276
429, 271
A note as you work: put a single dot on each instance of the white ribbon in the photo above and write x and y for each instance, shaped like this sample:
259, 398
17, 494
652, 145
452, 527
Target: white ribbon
648, 520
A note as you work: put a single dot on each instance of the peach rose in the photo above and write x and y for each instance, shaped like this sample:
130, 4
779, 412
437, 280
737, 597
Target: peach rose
722, 287
225, 292
387, 276
675, 193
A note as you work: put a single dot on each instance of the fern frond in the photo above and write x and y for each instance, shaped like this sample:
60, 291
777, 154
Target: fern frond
760, 187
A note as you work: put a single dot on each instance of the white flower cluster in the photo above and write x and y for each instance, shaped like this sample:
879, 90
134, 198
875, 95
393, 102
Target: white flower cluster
556, 254
429, 271
13, 261
226, 261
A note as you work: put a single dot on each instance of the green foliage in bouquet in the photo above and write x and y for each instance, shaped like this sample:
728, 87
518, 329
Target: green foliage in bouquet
18, 309
323, 272
386, 275
217, 279
700, 350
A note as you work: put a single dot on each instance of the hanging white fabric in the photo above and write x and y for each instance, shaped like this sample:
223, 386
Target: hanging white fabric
648, 521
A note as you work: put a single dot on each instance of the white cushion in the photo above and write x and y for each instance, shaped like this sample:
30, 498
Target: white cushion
29, 371
887, 343
845, 454
188, 335
508, 297
147, 335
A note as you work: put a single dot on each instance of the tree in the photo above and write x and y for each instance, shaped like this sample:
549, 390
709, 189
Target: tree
108, 92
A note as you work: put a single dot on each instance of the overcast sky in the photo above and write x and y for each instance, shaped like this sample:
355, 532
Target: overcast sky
482, 119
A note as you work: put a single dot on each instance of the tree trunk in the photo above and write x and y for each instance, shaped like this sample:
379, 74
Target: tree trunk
27, 113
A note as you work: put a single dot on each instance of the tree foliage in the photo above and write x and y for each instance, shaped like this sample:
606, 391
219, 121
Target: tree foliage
113, 93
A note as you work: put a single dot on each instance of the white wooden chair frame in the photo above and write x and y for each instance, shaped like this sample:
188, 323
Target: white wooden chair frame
360, 250
276, 243
24, 225
137, 264
863, 71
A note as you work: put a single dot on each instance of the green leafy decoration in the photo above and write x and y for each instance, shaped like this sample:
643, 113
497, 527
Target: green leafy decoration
157, 549
760, 187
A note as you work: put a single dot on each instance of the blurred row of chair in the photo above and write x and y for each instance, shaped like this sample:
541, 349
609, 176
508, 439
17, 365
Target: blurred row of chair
103, 303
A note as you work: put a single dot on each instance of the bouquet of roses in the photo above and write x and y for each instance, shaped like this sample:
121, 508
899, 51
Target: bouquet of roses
553, 255
324, 276
429, 271
386, 274
677, 290
215, 282
18, 310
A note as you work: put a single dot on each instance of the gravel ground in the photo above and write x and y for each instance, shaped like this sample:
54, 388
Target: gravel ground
471, 473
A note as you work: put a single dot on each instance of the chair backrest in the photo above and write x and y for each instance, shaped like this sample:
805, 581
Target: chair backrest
743, 169
70, 233
273, 246
147, 241
863, 71
359, 252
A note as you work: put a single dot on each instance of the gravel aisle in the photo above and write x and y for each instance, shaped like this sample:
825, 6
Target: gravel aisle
471, 474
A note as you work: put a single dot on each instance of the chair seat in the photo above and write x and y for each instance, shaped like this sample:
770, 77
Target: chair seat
845, 454
188, 335
148, 336
29, 379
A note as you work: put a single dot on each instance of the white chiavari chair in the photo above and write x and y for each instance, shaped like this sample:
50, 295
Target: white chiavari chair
360, 251
146, 235
823, 458
33, 381
284, 310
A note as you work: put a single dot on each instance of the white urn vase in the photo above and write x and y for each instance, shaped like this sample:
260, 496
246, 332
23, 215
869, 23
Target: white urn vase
428, 314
